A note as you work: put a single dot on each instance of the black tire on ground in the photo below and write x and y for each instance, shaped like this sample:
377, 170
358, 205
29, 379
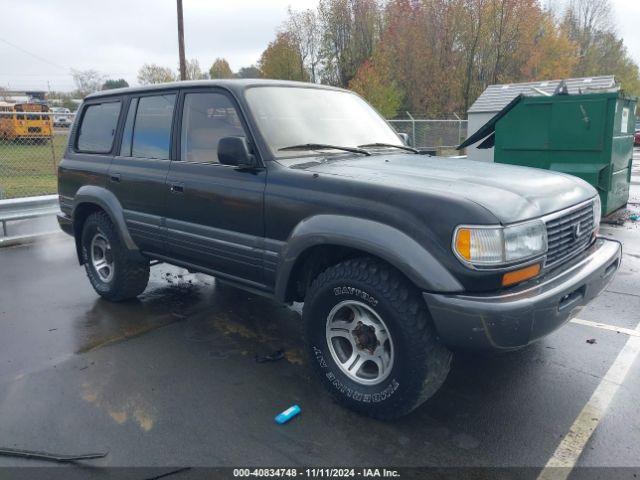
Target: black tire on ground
130, 269
420, 363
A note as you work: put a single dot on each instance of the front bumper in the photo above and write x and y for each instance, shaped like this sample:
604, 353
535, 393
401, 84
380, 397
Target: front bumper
521, 315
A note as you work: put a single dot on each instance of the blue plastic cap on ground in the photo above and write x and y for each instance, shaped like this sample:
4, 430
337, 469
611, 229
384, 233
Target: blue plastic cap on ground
288, 414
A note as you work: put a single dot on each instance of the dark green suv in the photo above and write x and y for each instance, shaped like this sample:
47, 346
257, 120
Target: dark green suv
303, 193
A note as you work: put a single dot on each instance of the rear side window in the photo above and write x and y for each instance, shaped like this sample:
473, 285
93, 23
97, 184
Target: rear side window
98, 127
152, 127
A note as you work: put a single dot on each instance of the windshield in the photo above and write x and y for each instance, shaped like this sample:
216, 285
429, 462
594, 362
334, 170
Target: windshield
293, 116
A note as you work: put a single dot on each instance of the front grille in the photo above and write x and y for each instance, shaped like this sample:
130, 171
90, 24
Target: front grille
33, 129
561, 234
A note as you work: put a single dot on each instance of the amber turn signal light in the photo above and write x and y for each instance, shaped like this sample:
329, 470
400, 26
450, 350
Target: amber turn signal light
517, 276
463, 243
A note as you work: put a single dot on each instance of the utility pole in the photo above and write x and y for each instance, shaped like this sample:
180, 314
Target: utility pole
183, 63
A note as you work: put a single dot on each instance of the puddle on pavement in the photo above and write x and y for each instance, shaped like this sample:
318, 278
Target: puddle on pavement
133, 406
225, 321
240, 323
231, 321
63, 316
173, 294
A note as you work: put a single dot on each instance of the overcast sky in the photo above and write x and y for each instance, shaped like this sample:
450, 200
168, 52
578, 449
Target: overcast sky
41, 40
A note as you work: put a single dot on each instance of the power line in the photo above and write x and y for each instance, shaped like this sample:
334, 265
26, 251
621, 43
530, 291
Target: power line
34, 55
47, 75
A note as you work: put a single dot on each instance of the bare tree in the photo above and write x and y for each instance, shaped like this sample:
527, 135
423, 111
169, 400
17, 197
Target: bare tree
194, 72
589, 25
304, 29
471, 39
151, 73
585, 20
350, 30
592, 15
87, 81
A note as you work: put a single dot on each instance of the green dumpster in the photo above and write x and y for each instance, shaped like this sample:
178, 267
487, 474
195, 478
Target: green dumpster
587, 135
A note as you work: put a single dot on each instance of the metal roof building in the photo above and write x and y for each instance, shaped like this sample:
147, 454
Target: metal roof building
496, 97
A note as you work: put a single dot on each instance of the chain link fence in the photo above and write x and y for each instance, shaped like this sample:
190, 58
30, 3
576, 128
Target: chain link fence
442, 136
31, 146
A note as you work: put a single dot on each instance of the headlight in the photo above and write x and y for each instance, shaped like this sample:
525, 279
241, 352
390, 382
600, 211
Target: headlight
597, 213
494, 246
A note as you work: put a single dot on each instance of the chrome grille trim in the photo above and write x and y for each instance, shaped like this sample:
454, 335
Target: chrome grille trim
562, 245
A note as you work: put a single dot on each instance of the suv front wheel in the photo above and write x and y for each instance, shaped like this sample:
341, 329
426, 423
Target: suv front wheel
370, 339
115, 273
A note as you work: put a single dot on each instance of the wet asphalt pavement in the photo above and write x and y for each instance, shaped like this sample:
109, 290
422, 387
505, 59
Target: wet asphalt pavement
171, 379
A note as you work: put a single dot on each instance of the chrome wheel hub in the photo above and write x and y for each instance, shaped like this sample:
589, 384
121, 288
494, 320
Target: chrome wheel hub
359, 342
102, 257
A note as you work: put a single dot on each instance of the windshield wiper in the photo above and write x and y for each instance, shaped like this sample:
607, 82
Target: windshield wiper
401, 147
322, 146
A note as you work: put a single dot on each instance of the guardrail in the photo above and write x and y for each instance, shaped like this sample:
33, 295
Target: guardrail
16, 209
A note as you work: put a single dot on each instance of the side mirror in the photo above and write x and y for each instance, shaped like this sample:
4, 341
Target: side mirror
404, 137
235, 151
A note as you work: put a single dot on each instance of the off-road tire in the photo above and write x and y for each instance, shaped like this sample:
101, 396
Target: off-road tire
131, 269
421, 363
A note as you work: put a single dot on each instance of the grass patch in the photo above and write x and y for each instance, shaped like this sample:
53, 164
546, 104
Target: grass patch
28, 186
29, 168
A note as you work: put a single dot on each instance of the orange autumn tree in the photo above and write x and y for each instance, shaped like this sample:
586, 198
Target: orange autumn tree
407, 48
282, 60
374, 84
434, 57
553, 54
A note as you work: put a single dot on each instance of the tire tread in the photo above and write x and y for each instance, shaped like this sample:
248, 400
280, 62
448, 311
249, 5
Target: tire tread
429, 359
132, 271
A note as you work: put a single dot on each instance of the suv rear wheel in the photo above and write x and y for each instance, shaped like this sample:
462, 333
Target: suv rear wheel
115, 273
370, 339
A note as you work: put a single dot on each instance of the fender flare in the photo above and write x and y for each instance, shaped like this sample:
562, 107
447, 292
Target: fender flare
375, 238
107, 201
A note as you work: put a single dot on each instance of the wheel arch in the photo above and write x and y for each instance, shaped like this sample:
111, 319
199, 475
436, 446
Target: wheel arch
323, 240
90, 199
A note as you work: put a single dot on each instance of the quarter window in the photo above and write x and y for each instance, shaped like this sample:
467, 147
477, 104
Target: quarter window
152, 129
206, 118
98, 127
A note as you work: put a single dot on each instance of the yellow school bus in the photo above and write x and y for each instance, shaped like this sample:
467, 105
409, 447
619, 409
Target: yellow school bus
23, 121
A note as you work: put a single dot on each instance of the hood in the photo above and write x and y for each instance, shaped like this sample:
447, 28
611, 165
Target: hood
510, 193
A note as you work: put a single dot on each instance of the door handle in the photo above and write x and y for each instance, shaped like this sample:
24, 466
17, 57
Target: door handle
115, 177
177, 188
